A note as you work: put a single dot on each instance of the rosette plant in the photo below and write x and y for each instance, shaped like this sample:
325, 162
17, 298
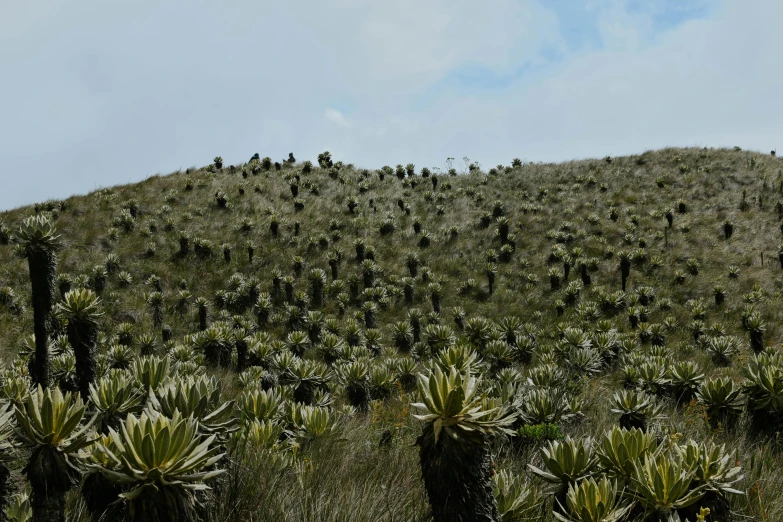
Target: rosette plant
517, 500
114, 396
100, 494
454, 446
567, 462
764, 391
261, 405
38, 243
714, 470
635, 408
7, 446
664, 483
722, 399
197, 397
50, 424
594, 501
151, 372
81, 308
619, 448
162, 462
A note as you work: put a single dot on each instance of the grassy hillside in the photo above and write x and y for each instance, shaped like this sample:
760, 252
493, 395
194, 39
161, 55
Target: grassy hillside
421, 250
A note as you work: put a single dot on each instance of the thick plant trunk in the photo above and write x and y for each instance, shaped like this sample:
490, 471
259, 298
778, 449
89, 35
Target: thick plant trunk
416, 329
435, 298
369, 319
457, 479
318, 294
304, 393
241, 346
586, 279
757, 341
202, 318
162, 506
218, 354
765, 422
262, 317
48, 506
628, 422
5, 490
99, 494
353, 287
403, 345
718, 505
42, 267
226, 349
408, 383
212, 355
625, 269
358, 395
82, 338
408, 291
50, 477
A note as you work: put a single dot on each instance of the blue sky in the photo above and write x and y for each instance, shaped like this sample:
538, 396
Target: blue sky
582, 28
100, 93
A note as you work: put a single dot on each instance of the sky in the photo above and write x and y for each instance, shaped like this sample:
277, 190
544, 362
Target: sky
96, 93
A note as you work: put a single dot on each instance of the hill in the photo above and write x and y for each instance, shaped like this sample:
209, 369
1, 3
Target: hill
579, 288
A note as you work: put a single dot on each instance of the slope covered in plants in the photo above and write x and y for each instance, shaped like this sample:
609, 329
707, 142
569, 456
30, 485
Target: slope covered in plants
589, 306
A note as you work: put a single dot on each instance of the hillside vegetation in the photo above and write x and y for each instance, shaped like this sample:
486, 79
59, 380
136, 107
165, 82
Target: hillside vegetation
621, 318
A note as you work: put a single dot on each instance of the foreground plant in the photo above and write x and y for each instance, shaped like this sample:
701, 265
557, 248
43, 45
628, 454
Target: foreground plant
114, 396
50, 424
620, 448
151, 372
308, 423
7, 446
197, 397
99, 493
454, 446
713, 471
567, 462
162, 461
516, 499
635, 408
593, 501
722, 399
764, 390
663, 484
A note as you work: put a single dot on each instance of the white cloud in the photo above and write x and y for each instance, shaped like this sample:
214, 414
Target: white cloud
337, 117
412, 44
